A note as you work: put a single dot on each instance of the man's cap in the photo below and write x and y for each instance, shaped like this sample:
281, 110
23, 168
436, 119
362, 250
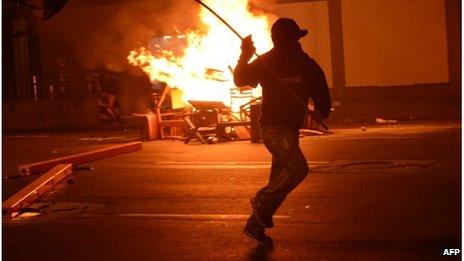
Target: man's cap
287, 26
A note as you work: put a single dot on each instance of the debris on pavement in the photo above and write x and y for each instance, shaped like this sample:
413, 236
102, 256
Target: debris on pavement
382, 121
26, 196
26, 215
80, 158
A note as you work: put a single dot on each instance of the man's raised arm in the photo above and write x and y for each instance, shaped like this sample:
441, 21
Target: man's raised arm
246, 74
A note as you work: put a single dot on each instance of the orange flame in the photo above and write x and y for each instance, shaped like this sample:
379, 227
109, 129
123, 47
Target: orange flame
202, 71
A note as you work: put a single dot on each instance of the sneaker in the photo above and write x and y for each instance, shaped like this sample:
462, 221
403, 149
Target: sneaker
265, 222
255, 231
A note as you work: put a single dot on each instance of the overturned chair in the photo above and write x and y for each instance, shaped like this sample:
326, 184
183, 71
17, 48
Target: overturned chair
212, 121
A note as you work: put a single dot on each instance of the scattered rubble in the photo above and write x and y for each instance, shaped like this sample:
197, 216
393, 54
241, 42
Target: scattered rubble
383, 121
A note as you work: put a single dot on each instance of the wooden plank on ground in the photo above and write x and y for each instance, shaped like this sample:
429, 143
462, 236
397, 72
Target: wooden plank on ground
81, 158
37, 188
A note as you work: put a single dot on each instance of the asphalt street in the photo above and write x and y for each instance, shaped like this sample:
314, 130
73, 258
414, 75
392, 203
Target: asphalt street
389, 192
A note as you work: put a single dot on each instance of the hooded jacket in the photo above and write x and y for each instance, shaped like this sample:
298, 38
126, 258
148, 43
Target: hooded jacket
300, 73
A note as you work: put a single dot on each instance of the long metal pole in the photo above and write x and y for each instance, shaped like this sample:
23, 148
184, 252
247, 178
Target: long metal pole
305, 106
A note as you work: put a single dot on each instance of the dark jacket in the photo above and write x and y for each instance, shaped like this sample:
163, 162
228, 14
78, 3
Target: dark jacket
299, 72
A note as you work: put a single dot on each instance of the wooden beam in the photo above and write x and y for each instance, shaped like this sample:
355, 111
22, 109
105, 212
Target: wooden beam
37, 188
81, 158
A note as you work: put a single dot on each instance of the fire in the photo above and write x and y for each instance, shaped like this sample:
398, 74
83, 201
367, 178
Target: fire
202, 71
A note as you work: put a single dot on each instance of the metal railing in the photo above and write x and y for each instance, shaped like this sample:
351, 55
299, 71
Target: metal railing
71, 85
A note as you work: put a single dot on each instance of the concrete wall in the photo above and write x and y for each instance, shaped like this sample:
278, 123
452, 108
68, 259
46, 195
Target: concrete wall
394, 42
386, 42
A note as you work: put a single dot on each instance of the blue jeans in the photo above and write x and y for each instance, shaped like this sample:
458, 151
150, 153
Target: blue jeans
289, 167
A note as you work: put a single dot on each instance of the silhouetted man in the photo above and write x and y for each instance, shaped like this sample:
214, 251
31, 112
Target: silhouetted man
109, 106
281, 114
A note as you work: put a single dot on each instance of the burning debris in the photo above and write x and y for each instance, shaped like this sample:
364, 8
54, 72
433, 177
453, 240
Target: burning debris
196, 66
202, 69
198, 72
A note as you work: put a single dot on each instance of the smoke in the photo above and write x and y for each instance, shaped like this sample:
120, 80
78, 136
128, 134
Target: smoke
90, 36
267, 6
261, 3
